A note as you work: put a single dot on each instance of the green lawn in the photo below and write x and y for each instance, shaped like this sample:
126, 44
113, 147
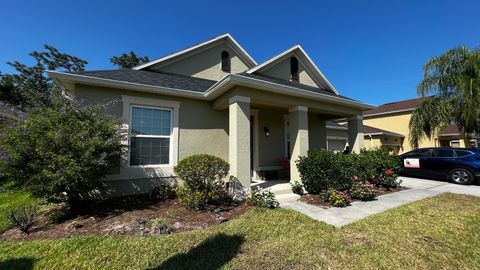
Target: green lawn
442, 232
10, 200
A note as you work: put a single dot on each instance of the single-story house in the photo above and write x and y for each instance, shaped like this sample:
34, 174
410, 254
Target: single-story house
215, 98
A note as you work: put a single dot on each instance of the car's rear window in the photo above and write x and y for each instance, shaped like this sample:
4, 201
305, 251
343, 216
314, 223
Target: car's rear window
444, 153
463, 153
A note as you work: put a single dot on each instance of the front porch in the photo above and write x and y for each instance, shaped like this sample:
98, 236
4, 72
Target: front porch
265, 129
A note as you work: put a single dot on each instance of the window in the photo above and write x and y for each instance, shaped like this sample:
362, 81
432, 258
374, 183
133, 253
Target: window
443, 153
294, 69
455, 143
226, 61
463, 153
150, 136
419, 153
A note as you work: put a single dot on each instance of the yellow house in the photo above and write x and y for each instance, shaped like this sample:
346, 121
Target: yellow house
387, 126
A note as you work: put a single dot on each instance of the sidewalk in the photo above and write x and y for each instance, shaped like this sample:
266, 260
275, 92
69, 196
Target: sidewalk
418, 189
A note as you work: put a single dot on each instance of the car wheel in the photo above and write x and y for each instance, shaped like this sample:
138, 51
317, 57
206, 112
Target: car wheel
461, 176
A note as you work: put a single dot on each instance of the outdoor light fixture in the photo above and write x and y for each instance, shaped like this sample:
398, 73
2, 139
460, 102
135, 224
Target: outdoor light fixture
267, 131
218, 216
142, 222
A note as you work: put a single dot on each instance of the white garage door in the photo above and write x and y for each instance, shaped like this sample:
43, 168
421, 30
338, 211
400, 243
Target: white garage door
336, 145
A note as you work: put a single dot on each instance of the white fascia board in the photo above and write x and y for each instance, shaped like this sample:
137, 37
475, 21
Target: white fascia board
338, 128
318, 70
390, 112
245, 56
271, 60
384, 133
77, 78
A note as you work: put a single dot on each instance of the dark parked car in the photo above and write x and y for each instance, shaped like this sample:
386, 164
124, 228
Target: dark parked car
459, 165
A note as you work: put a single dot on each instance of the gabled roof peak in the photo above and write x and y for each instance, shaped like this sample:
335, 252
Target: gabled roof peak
227, 37
317, 75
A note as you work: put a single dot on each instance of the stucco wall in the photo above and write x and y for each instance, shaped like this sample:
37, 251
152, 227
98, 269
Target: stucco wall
205, 64
271, 148
201, 128
281, 70
397, 123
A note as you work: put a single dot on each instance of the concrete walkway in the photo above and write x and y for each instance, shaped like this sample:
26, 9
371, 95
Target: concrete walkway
418, 189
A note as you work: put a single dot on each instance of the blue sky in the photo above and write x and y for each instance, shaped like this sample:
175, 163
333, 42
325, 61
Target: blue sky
372, 51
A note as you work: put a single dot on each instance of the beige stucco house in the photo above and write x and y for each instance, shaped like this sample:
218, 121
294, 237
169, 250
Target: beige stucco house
215, 98
387, 127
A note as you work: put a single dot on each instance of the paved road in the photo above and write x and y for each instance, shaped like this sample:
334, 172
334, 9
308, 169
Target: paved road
418, 189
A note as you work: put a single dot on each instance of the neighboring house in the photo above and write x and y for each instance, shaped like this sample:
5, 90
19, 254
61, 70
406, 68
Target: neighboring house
214, 98
387, 126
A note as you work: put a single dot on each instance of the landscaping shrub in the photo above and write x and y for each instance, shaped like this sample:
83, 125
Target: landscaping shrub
263, 198
61, 152
203, 182
338, 198
379, 167
363, 191
23, 217
322, 170
297, 188
163, 192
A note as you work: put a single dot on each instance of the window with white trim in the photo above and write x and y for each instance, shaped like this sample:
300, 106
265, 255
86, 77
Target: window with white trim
150, 135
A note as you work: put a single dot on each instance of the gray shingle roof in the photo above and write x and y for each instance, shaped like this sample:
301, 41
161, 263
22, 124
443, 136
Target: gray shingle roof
293, 84
152, 78
184, 82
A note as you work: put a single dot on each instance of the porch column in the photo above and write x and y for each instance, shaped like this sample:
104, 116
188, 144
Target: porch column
239, 140
299, 138
356, 140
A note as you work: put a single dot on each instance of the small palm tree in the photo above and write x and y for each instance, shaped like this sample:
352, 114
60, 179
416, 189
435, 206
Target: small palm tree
451, 91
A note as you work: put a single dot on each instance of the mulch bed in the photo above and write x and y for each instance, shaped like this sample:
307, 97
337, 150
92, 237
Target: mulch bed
120, 217
321, 202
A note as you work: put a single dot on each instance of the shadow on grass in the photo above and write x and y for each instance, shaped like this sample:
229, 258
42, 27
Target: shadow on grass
213, 253
18, 263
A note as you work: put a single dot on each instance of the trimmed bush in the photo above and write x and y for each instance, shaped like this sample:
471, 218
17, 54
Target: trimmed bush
379, 167
203, 180
322, 170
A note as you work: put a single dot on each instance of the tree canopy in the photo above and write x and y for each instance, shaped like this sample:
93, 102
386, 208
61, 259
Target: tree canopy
30, 87
451, 88
128, 60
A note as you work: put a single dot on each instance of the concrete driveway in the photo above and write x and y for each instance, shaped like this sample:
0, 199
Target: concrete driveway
418, 189
440, 186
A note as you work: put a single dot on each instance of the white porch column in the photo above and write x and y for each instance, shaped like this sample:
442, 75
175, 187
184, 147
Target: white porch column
299, 138
239, 139
355, 133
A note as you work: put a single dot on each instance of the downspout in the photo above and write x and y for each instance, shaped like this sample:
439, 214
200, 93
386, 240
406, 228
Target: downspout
371, 141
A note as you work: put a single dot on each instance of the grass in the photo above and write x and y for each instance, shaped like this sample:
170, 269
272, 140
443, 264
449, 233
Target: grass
441, 232
10, 200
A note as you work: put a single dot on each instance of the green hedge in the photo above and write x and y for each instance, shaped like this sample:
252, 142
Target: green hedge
203, 183
322, 170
